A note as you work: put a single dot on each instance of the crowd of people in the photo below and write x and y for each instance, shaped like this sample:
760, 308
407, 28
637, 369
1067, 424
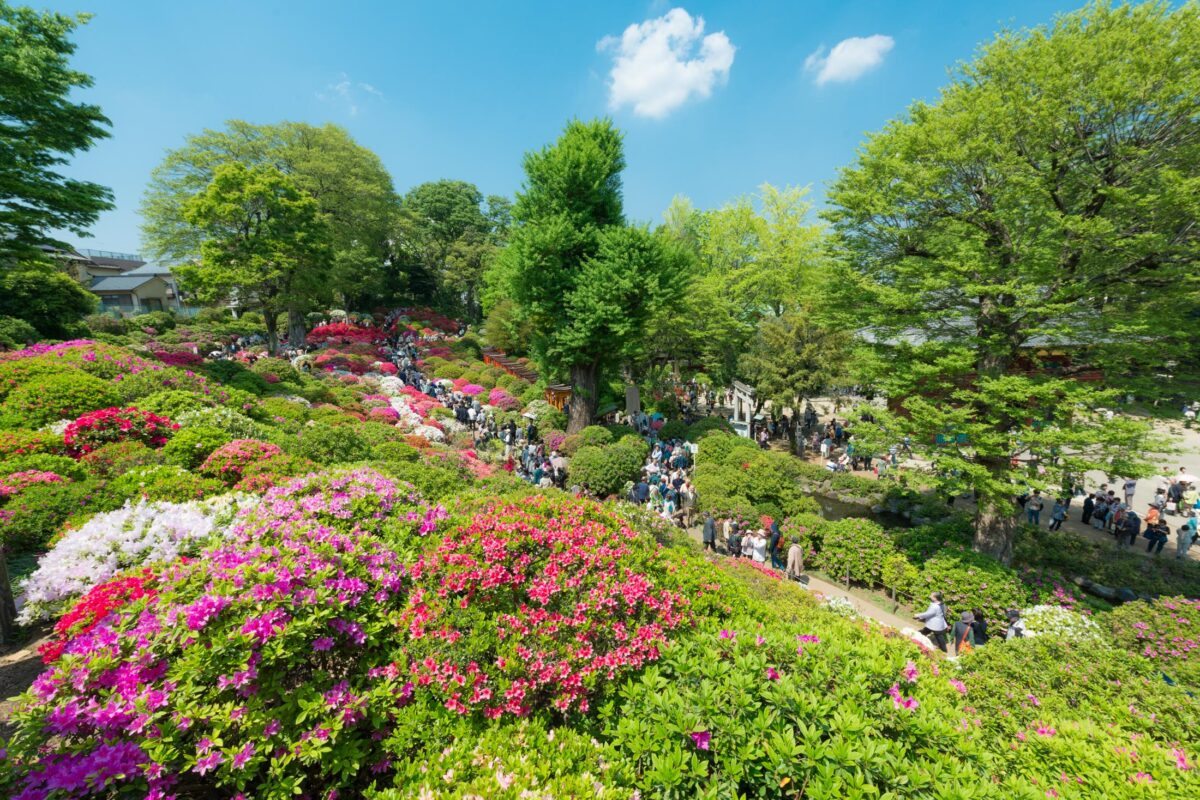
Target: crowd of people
1105, 510
969, 632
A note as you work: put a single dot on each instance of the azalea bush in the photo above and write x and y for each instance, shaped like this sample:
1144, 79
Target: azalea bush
605, 470
534, 605
55, 397
856, 548
108, 425
1064, 624
287, 627
139, 534
117, 458
191, 446
1165, 632
229, 461
344, 332
165, 482
32, 515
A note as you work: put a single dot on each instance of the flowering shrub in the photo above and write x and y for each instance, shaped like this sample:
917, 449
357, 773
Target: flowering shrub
503, 400
178, 358
269, 660
1166, 632
164, 482
344, 332
109, 425
101, 360
605, 470
140, 534
969, 580
62, 465
18, 481
533, 605
472, 389
32, 516
854, 547
56, 397
229, 461
264, 475
93, 608
1060, 623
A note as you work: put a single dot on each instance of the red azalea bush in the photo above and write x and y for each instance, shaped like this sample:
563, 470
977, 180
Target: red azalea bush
28, 443
344, 331
387, 368
384, 414
93, 608
535, 604
98, 428
229, 461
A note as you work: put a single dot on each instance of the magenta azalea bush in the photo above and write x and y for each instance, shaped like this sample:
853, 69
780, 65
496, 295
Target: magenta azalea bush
270, 658
1166, 632
503, 400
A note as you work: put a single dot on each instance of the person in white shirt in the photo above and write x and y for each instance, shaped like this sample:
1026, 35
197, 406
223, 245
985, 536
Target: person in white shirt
759, 549
934, 618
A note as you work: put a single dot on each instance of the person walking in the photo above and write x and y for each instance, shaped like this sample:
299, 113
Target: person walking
1129, 488
964, 634
733, 542
1185, 537
1058, 514
795, 560
709, 534
934, 618
1089, 505
980, 627
1033, 508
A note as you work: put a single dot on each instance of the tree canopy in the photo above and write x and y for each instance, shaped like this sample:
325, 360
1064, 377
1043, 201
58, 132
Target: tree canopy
40, 129
265, 243
1036, 223
352, 188
586, 283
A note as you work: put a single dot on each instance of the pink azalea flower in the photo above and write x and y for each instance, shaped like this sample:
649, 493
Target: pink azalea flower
772, 674
701, 739
910, 672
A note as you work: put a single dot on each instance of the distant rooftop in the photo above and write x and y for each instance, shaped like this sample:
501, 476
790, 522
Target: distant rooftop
109, 254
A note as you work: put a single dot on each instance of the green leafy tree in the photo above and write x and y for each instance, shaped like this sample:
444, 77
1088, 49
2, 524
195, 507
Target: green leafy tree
48, 299
350, 184
1027, 230
447, 238
266, 244
791, 358
40, 129
586, 282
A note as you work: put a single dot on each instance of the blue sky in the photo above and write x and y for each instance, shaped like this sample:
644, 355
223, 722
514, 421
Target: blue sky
462, 89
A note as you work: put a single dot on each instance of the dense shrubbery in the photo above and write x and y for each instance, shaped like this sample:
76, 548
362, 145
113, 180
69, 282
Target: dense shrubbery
55, 397
189, 447
605, 470
1166, 633
327, 444
111, 425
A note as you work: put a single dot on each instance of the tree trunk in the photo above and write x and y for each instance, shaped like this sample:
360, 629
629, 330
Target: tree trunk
995, 532
583, 396
8, 609
270, 319
296, 327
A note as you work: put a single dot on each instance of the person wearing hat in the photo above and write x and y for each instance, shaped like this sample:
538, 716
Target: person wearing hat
795, 560
964, 634
1016, 625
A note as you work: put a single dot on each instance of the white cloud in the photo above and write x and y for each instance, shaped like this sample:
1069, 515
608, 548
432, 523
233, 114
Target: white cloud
660, 63
345, 93
849, 59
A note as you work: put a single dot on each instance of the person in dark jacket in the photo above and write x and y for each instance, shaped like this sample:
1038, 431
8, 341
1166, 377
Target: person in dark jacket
710, 532
776, 535
1089, 505
963, 634
641, 492
734, 542
980, 627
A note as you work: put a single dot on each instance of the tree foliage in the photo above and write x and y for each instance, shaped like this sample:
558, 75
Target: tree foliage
1031, 224
40, 129
49, 300
349, 183
266, 244
587, 283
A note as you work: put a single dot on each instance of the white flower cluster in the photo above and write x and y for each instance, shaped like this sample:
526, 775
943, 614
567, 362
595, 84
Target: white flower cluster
429, 432
108, 543
391, 386
1062, 623
841, 606
57, 428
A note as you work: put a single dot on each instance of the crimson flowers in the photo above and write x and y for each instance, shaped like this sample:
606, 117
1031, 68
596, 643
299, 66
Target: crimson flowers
108, 425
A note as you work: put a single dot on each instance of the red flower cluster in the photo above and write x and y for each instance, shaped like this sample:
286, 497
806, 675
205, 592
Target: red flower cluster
97, 428
536, 604
93, 607
344, 331
181, 359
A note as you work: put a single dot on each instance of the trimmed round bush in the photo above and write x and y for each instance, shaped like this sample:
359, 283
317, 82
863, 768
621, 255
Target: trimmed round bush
605, 470
63, 396
229, 461
173, 402
854, 547
16, 333
34, 515
189, 447
117, 458
24, 443
108, 425
165, 482
594, 435
44, 462
327, 444
395, 451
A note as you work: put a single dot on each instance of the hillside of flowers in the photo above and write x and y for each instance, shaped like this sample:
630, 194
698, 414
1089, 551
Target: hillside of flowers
274, 578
